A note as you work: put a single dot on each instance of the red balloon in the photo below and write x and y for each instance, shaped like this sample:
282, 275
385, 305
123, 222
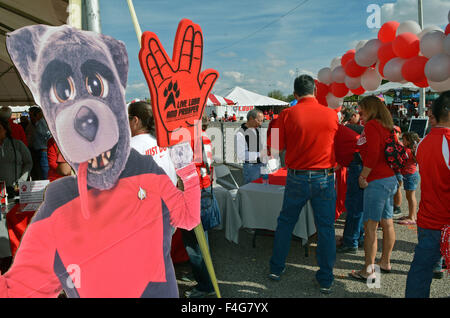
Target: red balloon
406, 45
447, 29
352, 69
321, 92
350, 54
322, 100
413, 70
385, 52
322, 89
387, 31
423, 83
339, 89
359, 91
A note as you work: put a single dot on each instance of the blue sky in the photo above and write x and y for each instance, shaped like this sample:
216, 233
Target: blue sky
259, 45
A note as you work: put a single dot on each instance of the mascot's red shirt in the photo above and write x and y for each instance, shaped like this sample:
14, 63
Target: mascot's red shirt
121, 250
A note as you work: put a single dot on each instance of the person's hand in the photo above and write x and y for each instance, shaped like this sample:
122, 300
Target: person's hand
178, 88
362, 181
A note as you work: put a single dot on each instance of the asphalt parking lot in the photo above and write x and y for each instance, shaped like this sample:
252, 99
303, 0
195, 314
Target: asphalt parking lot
242, 270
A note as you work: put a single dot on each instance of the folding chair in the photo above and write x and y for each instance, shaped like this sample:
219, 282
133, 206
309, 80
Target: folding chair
224, 177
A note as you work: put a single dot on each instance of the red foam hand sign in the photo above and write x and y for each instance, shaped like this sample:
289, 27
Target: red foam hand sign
178, 88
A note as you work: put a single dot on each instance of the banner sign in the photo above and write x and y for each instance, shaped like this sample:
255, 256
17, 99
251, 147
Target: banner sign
178, 88
32, 191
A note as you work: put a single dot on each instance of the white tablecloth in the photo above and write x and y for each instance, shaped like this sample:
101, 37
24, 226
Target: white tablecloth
5, 247
260, 206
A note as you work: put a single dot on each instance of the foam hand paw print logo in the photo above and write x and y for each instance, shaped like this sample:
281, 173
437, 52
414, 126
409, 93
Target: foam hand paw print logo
178, 88
169, 93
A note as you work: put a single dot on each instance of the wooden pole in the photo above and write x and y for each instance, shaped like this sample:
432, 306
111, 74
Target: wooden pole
134, 18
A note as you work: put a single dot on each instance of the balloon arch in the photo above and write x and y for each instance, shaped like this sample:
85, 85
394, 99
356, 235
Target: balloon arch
402, 52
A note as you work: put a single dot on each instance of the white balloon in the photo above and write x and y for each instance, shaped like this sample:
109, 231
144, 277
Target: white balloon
335, 63
352, 82
446, 44
360, 45
440, 86
429, 29
371, 79
432, 43
393, 69
408, 26
324, 75
333, 101
367, 55
437, 68
377, 68
338, 75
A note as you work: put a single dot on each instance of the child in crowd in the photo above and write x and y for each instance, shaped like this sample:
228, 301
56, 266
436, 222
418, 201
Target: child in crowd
410, 177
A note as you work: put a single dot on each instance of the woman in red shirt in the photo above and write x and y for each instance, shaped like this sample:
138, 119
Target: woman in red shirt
58, 167
410, 177
380, 184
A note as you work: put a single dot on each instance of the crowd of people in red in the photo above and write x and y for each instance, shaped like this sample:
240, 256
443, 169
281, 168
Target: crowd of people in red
316, 144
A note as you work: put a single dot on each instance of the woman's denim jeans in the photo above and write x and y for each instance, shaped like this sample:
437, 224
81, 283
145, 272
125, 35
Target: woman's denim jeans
321, 191
354, 227
252, 171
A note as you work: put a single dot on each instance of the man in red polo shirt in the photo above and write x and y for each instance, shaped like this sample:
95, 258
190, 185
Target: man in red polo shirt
307, 131
433, 158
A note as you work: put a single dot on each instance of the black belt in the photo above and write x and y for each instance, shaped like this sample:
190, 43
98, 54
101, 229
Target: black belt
253, 163
312, 172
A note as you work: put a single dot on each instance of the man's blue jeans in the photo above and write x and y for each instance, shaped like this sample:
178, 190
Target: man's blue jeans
354, 227
299, 189
426, 255
252, 171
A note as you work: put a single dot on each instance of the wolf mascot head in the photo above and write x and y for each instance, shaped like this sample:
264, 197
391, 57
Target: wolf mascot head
79, 80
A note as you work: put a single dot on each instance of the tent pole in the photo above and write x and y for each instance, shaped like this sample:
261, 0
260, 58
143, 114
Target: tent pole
91, 16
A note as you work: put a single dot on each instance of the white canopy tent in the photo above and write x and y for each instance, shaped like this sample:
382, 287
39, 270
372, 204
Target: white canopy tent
15, 14
394, 86
219, 105
243, 97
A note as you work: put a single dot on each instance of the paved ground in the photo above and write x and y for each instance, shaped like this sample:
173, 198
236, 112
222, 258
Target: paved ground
242, 270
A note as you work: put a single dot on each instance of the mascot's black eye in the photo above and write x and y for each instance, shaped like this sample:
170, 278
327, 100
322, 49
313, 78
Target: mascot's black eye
62, 90
96, 85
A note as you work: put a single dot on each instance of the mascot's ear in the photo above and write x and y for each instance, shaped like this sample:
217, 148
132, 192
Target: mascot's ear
22, 46
119, 55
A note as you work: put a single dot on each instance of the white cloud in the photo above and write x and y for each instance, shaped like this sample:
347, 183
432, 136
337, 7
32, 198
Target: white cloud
298, 72
227, 54
137, 90
282, 85
237, 76
276, 62
136, 86
302, 71
434, 11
